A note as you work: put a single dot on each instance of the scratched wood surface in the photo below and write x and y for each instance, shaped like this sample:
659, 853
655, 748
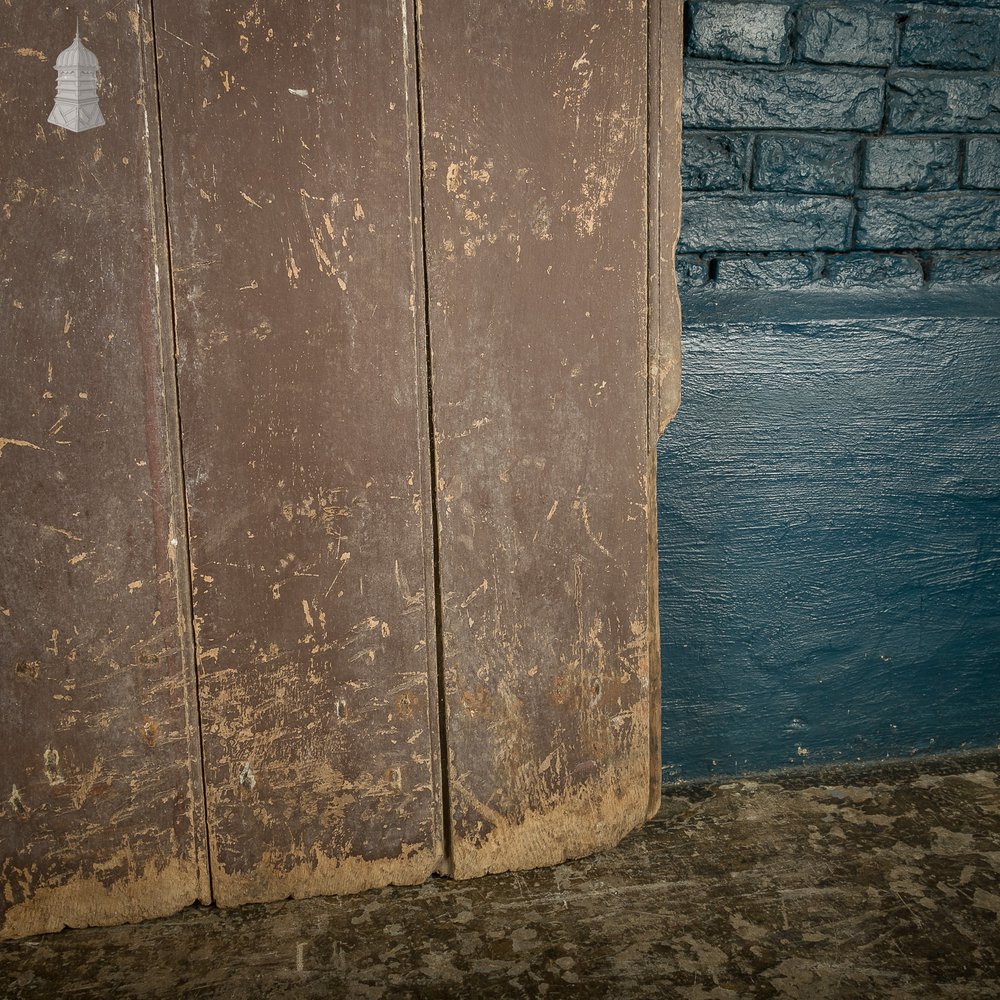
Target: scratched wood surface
291, 164
535, 169
100, 784
293, 194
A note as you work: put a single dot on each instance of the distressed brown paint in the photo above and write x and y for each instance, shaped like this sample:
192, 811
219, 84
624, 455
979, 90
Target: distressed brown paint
294, 195
100, 780
535, 187
291, 166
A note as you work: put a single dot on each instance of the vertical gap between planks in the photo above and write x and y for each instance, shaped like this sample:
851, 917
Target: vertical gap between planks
209, 860
652, 206
442, 705
654, 381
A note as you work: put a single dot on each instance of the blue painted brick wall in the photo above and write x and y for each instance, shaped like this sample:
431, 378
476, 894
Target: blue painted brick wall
846, 34
829, 494
742, 32
840, 144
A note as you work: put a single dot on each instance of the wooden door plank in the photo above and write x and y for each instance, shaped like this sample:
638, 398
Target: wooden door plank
665, 75
291, 165
100, 783
534, 133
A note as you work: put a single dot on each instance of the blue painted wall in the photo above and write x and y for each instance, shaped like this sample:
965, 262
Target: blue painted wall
830, 538
829, 494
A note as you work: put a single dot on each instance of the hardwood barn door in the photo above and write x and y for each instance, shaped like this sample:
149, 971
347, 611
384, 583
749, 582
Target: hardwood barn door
293, 187
100, 769
537, 213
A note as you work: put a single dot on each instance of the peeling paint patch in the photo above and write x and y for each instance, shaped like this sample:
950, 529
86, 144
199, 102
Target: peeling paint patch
17, 802
51, 762
247, 778
150, 731
291, 268
17, 443
27, 669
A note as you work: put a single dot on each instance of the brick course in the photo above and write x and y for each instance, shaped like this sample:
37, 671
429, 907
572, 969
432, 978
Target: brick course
874, 270
949, 40
766, 222
965, 268
848, 34
815, 164
802, 97
714, 162
935, 102
910, 163
742, 32
850, 144
764, 272
982, 162
953, 221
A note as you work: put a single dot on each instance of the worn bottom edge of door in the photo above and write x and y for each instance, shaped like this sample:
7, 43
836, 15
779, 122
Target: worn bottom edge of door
582, 824
589, 820
88, 902
322, 876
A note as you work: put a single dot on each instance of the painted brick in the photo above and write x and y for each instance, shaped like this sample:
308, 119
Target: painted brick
874, 270
812, 164
949, 40
965, 269
692, 271
785, 271
846, 33
713, 161
954, 221
982, 162
741, 32
944, 5
907, 163
765, 222
802, 98
921, 102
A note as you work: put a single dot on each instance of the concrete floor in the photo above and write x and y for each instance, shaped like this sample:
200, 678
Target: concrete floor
853, 882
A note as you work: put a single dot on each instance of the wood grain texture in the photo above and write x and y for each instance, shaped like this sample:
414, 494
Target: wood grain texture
100, 783
293, 186
535, 168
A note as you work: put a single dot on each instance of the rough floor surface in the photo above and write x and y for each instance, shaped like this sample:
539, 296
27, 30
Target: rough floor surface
881, 882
